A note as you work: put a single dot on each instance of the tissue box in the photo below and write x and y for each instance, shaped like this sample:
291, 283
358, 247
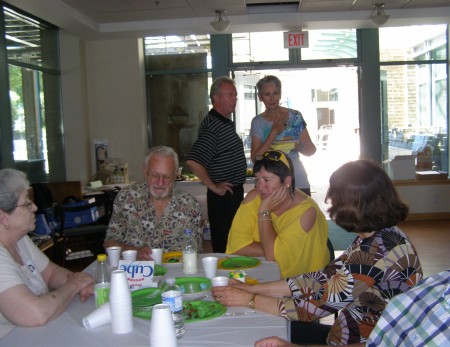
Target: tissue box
402, 167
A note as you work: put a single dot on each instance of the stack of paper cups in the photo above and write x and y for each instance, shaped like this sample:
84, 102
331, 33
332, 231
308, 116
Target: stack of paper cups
162, 330
120, 303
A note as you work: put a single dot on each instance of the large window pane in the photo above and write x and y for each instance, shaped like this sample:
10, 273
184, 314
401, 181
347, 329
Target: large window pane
330, 44
252, 47
415, 101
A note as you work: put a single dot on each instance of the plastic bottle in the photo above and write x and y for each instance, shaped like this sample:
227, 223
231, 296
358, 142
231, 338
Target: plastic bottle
189, 250
102, 281
206, 231
173, 297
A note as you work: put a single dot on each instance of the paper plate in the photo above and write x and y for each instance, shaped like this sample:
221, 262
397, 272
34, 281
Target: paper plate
143, 300
172, 258
159, 270
200, 310
193, 288
238, 263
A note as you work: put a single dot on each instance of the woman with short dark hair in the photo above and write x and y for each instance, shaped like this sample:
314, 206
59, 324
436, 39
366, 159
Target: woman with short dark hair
379, 264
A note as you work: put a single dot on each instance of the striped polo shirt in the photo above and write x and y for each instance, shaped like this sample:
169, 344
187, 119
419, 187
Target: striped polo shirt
219, 149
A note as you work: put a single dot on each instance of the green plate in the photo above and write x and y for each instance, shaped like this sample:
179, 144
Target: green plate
193, 285
143, 300
159, 270
200, 310
237, 263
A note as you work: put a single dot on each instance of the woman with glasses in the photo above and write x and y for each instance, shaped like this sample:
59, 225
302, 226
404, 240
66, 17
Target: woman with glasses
281, 128
33, 290
379, 264
279, 222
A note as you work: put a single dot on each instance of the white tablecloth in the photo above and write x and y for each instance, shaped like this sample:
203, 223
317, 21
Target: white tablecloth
238, 330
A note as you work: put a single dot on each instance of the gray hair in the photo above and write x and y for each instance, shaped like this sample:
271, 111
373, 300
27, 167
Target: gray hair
268, 79
12, 184
217, 85
162, 151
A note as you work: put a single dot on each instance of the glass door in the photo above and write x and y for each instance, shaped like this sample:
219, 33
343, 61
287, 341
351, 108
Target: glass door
327, 98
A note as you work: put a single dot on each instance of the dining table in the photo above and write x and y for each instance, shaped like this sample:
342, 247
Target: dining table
238, 326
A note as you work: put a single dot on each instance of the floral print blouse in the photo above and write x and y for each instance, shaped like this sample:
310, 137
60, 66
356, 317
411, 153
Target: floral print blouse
358, 284
134, 221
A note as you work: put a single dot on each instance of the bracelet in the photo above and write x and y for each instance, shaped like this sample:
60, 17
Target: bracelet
263, 219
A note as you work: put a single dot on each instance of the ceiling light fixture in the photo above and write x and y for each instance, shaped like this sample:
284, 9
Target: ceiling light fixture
220, 24
380, 17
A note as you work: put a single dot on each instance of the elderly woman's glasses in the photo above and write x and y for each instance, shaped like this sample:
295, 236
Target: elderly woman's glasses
28, 204
274, 156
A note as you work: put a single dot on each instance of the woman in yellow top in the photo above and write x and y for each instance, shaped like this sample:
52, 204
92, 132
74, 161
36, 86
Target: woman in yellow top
279, 222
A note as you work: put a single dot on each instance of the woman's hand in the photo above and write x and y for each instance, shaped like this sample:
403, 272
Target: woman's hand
277, 197
273, 341
231, 296
281, 120
83, 283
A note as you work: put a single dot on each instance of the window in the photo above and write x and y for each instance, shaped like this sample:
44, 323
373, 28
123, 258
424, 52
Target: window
415, 92
32, 50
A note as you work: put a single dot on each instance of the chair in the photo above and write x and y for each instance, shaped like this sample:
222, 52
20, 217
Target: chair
76, 243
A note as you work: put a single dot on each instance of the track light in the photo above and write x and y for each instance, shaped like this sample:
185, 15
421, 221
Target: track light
219, 24
380, 17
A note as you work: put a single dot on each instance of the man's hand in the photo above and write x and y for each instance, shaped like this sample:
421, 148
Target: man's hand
222, 188
144, 254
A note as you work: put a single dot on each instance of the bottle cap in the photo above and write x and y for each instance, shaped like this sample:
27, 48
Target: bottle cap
101, 257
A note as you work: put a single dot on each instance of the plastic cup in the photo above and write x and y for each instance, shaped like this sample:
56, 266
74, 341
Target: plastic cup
100, 316
114, 255
157, 255
210, 266
220, 281
129, 255
162, 329
120, 303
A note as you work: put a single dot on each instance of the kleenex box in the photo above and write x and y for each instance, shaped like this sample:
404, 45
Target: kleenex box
402, 167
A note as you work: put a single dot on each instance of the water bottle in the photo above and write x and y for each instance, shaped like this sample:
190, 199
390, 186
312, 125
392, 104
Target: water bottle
102, 281
173, 297
206, 231
189, 250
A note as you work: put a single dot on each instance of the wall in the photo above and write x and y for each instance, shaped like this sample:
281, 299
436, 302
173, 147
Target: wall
103, 99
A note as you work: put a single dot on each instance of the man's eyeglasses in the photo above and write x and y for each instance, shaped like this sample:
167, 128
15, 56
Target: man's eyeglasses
156, 177
274, 156
28, 204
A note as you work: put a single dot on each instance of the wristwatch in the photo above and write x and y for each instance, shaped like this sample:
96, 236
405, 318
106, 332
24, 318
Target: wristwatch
252, 302
265, 213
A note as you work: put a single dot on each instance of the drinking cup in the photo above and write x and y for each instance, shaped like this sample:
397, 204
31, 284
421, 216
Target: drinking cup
162, 329
157, 255
129, 255
100, 316
114, 255
220, 281
210, 266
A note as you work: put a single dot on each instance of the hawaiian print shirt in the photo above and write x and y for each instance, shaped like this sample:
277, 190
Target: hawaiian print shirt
358, 284
134, 221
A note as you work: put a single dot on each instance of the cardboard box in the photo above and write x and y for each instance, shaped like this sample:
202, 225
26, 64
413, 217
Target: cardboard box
402, 167
431, 175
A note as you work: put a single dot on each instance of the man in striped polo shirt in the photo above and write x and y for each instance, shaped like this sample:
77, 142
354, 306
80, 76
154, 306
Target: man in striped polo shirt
217, 158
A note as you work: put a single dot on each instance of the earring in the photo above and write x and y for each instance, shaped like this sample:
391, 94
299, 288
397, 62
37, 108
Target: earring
292, 192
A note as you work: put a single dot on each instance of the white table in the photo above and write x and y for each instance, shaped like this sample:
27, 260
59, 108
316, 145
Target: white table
238, 330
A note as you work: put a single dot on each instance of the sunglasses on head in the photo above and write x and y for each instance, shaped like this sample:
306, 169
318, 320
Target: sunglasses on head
274, 156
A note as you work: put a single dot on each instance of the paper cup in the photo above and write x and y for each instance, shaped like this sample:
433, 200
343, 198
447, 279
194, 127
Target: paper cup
157, 255
113, 255
129, 255
100, 316
220, 281
210, 266
162, 329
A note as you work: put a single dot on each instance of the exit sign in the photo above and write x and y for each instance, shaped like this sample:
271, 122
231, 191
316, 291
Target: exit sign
296, 39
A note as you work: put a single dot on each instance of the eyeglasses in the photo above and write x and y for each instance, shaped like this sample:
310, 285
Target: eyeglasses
274, 156
28, 204
156, 177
